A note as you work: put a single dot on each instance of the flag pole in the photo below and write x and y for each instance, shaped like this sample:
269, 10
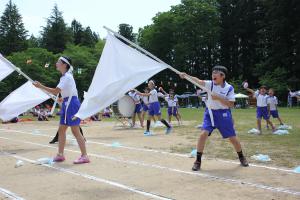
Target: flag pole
25, 75
155, 58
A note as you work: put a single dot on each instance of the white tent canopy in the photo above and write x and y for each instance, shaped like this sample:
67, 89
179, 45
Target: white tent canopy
120, 69
240, 96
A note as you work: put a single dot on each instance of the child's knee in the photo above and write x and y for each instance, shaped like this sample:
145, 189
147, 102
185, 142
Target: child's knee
204, 134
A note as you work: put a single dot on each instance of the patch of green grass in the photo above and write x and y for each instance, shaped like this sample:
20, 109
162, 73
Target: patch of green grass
283, 150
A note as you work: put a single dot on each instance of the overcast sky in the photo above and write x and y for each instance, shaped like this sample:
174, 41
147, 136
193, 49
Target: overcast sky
93, 13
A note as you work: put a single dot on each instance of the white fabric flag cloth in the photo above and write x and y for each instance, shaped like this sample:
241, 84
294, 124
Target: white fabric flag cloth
22, 99
120, 69
5, 68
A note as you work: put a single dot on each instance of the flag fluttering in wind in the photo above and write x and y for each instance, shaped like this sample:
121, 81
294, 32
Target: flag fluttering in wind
22, 99
120, 69
5, 68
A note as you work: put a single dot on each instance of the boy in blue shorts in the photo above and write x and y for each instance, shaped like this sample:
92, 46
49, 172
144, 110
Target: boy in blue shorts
272, 106
172, 102
220, 102
154, 108
262, 106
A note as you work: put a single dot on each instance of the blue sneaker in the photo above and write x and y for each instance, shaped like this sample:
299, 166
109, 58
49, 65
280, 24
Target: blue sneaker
147, 133
169, 130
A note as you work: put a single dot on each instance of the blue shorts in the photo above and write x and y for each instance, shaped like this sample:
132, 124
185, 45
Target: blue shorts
72, 110
172, 111
274, 113
262, 112
145, 108
154, 109
138, 108
223, 122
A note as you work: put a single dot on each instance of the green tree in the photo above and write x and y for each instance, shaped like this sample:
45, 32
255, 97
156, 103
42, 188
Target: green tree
33, 42
89, 38
83, 36
280, 39
32, 62
239, 38
126, 30
77, 31
56, 34
185, 37
12, 32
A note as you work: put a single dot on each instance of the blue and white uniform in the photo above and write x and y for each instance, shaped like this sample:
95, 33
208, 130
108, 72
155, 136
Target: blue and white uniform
145, 100
221, 113
262, 106
154, 106
137, 101
272, 101
172, 105
71, 104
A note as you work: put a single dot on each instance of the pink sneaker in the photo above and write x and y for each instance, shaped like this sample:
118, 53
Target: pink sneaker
58, 158
82, 160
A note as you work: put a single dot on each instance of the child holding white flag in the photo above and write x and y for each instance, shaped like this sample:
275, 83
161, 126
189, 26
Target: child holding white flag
154, 108
70, 106
222, 99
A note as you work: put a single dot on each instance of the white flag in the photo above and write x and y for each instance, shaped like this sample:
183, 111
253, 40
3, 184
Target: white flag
120, 69
5, 68
22, 99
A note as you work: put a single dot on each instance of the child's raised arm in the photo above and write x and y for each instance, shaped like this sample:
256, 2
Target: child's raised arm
195, 79
142, 94
250, 90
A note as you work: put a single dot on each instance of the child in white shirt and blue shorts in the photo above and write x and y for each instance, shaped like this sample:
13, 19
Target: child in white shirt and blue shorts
220, 102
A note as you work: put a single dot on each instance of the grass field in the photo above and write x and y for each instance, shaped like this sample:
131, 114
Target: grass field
283, 150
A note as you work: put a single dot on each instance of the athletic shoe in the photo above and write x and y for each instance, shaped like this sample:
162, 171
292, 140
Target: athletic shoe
54, 140
196, 166
169, 130
82, 160
244, 161
148, 133
58, 158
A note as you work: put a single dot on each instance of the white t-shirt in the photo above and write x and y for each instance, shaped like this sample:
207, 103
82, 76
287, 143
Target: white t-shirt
226, 91
272, 101
153, 96
145, 99
171, 102
136, 98
261, 100
67, 85
293, 94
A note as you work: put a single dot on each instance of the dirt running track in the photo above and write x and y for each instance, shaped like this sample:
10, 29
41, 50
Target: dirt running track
141, 168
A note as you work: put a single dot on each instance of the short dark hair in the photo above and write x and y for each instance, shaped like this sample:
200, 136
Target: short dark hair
220, 68
263, 87
68, 59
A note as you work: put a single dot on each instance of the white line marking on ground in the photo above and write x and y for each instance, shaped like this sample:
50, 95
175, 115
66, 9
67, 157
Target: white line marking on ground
10, 194
200, 174
158, 151
94, 178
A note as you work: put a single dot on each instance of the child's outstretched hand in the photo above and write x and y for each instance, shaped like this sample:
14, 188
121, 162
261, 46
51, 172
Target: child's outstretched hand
37, 84
182, 75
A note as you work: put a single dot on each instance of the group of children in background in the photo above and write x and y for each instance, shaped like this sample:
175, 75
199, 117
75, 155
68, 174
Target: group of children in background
266, 106
148, 103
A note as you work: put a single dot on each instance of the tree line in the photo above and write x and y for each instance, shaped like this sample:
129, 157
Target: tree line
256, 40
